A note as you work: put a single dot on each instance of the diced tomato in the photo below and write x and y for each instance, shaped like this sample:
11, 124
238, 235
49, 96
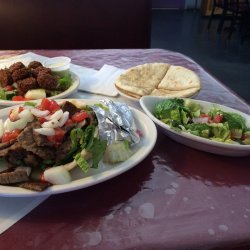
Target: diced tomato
42, 120
218, 118
80, 116
45, 104
13, 115
7, 136
50, 105
58, 137
9, 88
19, 98
68, 122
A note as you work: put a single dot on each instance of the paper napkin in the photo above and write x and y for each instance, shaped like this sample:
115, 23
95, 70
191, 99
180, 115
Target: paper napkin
99, 82
14, 208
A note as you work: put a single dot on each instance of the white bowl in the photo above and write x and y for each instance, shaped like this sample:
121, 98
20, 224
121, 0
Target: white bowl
58, 64
148, 103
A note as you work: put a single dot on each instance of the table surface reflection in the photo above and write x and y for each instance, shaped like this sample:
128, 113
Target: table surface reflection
177, 198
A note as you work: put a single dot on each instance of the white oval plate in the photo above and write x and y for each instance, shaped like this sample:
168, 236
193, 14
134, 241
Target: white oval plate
73, 88
105, 171
138, 99
148, 102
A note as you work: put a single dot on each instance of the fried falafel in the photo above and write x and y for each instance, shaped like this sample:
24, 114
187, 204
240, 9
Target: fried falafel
20, 74
47, 81
34, 65
16, 66
26, 84
39, 69
5, 77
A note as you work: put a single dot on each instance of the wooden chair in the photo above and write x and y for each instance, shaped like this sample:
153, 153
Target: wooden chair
75, 24
245, 25
223, 5
239, 9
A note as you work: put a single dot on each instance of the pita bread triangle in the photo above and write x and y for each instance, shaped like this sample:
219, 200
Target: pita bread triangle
158, 79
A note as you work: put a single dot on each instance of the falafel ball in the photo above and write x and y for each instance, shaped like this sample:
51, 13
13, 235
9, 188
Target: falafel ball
47, 81
26, 84
20, 74
36, 71
34, 65
5, 77
16, 66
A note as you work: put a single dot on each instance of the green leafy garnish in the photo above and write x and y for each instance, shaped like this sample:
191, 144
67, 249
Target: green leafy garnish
32, 104
3, 94
81, 162
64, 82
86, 145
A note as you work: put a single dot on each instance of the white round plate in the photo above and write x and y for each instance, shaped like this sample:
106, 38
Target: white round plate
105, 171
73, 88
148, 103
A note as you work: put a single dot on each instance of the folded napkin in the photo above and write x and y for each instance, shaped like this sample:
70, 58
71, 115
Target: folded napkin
13, 209
99, 82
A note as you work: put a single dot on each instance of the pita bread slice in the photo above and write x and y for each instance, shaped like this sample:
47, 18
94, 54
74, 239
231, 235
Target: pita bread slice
175, 93
135, 92
179, 78
142, 79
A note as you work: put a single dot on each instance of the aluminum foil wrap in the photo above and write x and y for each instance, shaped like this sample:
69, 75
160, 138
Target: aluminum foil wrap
116, 122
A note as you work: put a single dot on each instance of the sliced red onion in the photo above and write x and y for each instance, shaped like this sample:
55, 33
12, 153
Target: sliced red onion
39, 113
64, 118
45, 131
51, 124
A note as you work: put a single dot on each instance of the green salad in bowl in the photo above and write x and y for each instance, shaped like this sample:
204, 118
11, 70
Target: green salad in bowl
202, 125
214, 124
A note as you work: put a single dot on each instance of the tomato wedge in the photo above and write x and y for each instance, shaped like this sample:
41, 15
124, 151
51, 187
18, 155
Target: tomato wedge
79, 116
19, 98
50, 105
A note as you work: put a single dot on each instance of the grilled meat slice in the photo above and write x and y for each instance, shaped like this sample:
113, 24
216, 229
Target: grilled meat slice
27, 141
63, 150
4, 145
35, 186
32, 160
40, 140
70, 107
18, 175
15, 155
4, 151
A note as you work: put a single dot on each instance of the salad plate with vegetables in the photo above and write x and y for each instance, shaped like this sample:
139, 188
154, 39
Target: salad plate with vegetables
21, 82
201, 125
55, 146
